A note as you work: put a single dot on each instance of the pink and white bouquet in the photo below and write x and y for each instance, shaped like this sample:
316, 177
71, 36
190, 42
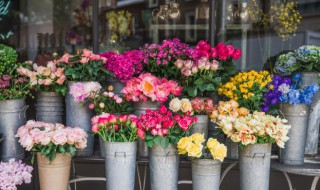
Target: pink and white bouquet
161, 127
196, 106
113, 128
14, 173
47, 79
50, 139
107, 101
206, 67
148, 86
86, 66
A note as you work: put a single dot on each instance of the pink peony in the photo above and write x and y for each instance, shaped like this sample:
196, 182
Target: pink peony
78, 92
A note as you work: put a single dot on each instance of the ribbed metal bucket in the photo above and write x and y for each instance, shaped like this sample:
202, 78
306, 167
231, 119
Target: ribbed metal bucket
232, 149
201, 126
206, 174
254, 163
54, 175
79, 116
140, 108
164, 168
120, 163
117, 85
50, 107
297, 116
12, 116
312, 138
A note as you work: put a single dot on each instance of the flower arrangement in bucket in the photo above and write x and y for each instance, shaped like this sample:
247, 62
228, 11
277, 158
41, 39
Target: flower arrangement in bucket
207, 160
148, 87
54, 145
14, 173
12, 85
304, 59
86, 66
120, 146
45, 78
247, 88
101, 102
207, 67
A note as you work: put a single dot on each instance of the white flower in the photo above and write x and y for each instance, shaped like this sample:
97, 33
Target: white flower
284, 88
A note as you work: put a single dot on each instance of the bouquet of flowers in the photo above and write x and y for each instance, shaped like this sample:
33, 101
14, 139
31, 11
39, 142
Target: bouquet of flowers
14, 173
124, 66
84, 67
159, 59
114, 128
50, 139
119, 23
100, 101
196, 106
161, 127
148, 86
255, 128
207, 67
248, 88
47, 79
193, 147
12, 85
304, 59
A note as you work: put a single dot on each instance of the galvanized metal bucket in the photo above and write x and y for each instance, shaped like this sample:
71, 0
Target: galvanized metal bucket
312, 137
201, 126
50, 107
120, 163
117, 85
164, 168
12, 116
297, 116
232, 149
79, 116
206, 174
140, 108
254, 163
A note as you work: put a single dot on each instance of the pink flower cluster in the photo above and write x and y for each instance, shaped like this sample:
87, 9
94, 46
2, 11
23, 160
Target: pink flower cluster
86, 56
40, 133
200, 105
111, 121
5, 81
148, 86
166, 52
159, 122
46, 76
220, 52
82, 90
14, 173
190, 67
124, 66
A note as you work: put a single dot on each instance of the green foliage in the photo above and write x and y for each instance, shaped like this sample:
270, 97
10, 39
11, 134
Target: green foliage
8, 59
125, 133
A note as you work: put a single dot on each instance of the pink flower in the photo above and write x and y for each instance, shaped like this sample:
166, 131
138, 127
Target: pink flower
183, 124
179, 63
78, 92
186, 72
84, 60
59, 138
141, 134
61, 80
208, 105
154, 132
188, 64
236, 54
91, 106
230, 50
214, 52
214, 65
87, 53
65, 58
119, 100
197, 105
194, 70
202, 63
47, 82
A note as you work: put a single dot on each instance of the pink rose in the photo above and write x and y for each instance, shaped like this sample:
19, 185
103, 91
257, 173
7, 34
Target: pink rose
183, 124
154, 132
65, 58
27, 142
236, 54
61, 80
179, 63
95, 128
202, 63
81, 144
197, 105
188, 64
214, 65
84, 60
47, 82
40, 81
87, 53
141, 134
45, 140
119, 100
213, 53
194, 70
208, 105
59, 72
230, 50
186, 72
91, 106
59, 138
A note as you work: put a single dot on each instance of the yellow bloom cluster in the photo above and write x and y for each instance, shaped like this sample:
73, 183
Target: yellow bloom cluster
192, 146
245, 85
119, 23
228, 109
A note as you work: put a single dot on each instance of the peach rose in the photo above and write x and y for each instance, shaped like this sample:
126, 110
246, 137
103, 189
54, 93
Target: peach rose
186, 105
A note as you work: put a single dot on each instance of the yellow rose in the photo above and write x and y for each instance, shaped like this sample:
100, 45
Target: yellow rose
186, 105
195, 150
220, 152
183, 144
197, 138
212, 143
175, 105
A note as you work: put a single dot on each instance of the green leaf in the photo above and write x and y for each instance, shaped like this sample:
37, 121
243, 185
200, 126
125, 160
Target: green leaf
192, 91
72, 150
149, 143
149, 137
210, 87
62, 150
202, 87
69, 72
164, 142
157, 140
199, 82
52, 156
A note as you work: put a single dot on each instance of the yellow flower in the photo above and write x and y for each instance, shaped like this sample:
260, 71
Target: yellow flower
220, 152
195, 150
183, 144
197, 138
212, 143
186, 105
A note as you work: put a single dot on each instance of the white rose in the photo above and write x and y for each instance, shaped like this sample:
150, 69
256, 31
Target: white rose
175, 105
